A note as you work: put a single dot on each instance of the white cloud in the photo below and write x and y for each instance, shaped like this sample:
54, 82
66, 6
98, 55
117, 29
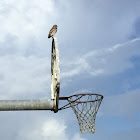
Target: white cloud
54, 129
25, 19
77, 137
50, 129
24, 76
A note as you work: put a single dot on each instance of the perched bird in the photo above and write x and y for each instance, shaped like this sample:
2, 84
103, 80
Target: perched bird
52, 31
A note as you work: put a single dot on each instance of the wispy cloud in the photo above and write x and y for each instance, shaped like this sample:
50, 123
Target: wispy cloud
108, 61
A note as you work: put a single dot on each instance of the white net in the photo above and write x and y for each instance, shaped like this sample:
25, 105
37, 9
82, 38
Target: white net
85, 106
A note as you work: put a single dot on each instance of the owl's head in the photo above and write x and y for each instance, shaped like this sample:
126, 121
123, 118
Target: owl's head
55, 26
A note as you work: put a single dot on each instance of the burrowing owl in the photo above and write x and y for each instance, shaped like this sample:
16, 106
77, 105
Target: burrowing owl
52, 31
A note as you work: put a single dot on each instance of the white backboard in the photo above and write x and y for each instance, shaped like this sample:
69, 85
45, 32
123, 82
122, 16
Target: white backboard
55, 74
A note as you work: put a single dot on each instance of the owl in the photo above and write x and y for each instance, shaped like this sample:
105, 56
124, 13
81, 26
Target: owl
52, 31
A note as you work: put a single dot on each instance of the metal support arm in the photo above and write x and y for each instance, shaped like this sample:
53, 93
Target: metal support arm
10, 105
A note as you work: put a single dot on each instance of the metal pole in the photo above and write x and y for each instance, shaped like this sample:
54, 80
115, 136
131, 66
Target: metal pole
8, 105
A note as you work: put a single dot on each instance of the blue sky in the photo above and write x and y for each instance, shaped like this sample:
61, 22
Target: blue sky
99, 47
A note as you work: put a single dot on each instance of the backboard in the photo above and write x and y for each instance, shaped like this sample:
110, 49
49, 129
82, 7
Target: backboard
55, 75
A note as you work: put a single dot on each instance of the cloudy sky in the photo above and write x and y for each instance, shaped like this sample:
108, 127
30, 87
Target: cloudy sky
99, 47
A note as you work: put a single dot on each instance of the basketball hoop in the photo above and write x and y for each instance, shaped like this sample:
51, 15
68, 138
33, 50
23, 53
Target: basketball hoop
85, 106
